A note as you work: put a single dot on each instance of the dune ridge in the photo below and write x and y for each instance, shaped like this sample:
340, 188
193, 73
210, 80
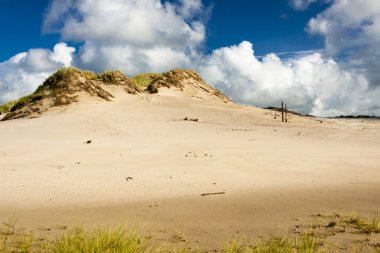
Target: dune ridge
68, 85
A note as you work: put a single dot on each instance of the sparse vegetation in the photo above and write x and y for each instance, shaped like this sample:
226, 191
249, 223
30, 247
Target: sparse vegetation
121, 240
118, 240
353, 221
78, 240
63, 86
111, 76
19, 103
307, 243
143, 80
5, 108
54, 82
366, 226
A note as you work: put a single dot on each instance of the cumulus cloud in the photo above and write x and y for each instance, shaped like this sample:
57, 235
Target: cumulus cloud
351, 30
130, 35
24, 72
309, 84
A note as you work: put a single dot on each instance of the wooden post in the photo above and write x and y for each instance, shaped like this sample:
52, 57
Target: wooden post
286, 113
282, 111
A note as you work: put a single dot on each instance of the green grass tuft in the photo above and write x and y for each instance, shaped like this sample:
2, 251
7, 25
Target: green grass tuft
97, 241
110, 76
19, 103
365, 226
53, 82
143, 80
236, 246
307, 243
5, 108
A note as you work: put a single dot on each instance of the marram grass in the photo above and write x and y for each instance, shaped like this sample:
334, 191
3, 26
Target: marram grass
117, 240
121, 240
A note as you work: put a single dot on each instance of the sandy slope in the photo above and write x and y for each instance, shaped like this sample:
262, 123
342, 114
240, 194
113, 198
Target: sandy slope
273, 174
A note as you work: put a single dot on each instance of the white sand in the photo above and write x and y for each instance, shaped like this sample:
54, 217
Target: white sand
271, 172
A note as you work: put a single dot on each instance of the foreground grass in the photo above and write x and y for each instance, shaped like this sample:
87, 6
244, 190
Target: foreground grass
120, 240
353, 222
117, 240
306, 243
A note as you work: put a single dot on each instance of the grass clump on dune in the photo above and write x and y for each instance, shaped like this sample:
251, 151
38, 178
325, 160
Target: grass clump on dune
143, 80
307, 243
117, 240
113, 241
365, 226
110, 76
19, 103
5, 108
53, 83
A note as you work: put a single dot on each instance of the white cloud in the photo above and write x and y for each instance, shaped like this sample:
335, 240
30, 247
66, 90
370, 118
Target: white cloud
138, 33
24, 72
349, 25
62, 54
302, 4
309, 84
351, 30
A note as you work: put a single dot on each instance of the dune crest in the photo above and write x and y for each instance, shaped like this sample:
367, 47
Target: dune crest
68, 85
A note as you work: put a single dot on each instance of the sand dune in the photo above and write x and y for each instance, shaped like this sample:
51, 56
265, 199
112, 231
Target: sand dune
145, 164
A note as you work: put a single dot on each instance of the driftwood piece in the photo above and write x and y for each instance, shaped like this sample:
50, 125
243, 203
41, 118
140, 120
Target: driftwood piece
212, 193
190, 119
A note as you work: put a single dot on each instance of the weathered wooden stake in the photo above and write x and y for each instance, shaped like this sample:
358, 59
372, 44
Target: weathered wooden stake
286, 113
282, 111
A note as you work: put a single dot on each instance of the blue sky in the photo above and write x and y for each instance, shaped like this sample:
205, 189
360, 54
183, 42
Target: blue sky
23, 19
330, 68
272, 26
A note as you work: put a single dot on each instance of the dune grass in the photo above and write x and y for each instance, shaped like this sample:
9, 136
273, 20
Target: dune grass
5, 108
117, 240
109, 76
121, 240
143, 80
18, 103
307, 243
78, 240
364, 225
52, 85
